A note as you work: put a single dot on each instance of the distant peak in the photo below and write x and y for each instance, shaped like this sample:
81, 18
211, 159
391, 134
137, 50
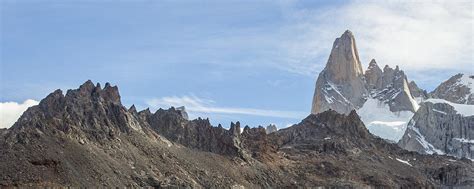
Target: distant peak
348, 33
373, 62
87, 86
89, 90
132, 108
373, 65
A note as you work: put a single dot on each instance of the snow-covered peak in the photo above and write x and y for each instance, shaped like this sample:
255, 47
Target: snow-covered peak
466, 80
458, 89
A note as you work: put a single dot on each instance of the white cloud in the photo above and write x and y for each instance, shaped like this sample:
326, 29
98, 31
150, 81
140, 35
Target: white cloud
197, 105
11, 111
417, 35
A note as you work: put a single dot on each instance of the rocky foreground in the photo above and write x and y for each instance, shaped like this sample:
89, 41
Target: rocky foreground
87, 138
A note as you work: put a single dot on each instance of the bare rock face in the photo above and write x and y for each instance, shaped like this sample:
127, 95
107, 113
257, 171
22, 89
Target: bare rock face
458, 89
439, 128
373, 76
340, 86
419, 94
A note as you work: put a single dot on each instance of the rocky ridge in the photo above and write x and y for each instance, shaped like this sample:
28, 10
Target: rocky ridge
457, 89
87, 138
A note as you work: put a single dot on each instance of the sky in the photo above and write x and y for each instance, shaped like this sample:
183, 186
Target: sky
250, 61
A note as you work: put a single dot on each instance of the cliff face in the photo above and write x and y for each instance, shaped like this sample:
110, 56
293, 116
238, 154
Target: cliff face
440, 128
340, 86
444, 124
419, 94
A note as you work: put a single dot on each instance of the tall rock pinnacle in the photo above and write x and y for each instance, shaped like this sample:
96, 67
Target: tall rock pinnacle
340, 86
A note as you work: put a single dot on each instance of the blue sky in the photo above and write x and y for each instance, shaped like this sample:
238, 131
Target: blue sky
252, 61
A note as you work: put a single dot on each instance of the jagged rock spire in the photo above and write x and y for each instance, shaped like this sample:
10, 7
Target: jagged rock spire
344, 59
340, 86
373, 75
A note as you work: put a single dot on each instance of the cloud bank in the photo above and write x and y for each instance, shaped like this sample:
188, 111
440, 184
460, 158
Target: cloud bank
197, 105
11, 111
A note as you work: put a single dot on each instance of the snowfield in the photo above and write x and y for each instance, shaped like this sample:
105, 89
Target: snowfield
463, 109
380, 121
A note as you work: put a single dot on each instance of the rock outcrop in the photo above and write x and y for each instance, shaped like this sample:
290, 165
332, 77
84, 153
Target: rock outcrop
182, 111
419, 94
390, 87
440, 128
373, 76
340, 86
271, 128
458, 89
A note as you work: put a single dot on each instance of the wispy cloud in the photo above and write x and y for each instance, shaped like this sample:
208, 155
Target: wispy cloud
11, 111
194, 104
417, 35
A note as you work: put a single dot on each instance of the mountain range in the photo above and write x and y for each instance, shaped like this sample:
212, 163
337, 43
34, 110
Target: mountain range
87, 138
392, 108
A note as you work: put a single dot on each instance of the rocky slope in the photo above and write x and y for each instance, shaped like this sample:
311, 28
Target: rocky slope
87, 138
457, 89
441, 128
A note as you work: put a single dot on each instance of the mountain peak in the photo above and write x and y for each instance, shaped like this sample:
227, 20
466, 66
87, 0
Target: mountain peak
87, 86
373, 62
348, 33
458, 89
344, 61
340, 86
373, 65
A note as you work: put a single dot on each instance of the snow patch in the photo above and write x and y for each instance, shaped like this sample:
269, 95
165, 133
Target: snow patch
464, 140
334, 88
406, 89
439, 111
405, 162
466, 81
380, 121
463, 109
328, 99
